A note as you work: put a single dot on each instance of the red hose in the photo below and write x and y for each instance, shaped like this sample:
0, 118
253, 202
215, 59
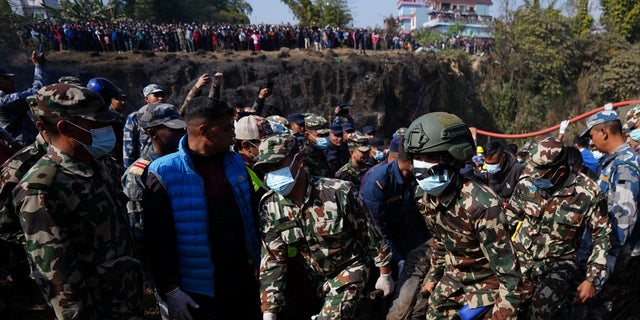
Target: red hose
556, 127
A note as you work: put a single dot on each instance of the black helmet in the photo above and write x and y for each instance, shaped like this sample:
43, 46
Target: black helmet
439, 132
105, 88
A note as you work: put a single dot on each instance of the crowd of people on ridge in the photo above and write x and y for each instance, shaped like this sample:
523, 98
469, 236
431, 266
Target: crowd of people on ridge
230, 213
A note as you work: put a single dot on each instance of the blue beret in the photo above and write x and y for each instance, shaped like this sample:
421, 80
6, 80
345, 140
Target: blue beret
297, 118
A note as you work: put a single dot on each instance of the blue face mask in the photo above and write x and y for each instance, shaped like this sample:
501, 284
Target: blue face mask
493, 168
543, 183
102, 140
281, 181
322, 143
432, 184
379, 155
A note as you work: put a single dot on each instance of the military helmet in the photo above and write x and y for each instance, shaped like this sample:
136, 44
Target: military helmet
105, 88
439, 132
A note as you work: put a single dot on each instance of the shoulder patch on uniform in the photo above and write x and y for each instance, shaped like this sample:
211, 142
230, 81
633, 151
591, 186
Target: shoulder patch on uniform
139, 166
42, 178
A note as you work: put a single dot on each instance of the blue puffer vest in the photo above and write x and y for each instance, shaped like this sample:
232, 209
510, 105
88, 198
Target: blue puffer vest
186, 190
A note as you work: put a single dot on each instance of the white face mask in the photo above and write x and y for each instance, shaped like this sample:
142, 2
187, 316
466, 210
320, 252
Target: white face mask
281, 181
102, 140
431, 183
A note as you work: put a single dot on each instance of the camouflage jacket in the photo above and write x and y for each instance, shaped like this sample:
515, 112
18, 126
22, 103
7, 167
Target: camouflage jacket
315, 161
135, 142
12, 171
350, 173
473, 251
333, 230
620, 181
75, 227
133, 185
552, 225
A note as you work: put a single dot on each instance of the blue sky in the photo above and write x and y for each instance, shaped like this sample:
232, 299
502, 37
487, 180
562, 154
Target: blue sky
366, 13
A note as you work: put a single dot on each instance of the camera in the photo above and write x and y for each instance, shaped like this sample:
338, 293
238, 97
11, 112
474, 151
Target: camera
344, 109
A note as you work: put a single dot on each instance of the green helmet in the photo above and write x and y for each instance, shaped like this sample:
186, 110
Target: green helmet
439, 132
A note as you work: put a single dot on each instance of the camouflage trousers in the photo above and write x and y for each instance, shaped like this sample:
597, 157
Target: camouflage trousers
117, 297
544, 294
408, 301
447, 299
347, 301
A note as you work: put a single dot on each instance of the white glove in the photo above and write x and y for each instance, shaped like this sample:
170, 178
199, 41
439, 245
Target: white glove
608, 106
400, 267
563, 126
385, 283
162, 306
164, 310
268, 316
177, 301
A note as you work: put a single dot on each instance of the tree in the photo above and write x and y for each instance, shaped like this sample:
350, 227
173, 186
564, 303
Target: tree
88, 10
622, 17
320, 12
535, 68
583, 21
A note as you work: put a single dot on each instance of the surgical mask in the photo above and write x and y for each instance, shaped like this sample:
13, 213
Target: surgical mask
543, 183
281, 180
322, 143
433, 183
102, 140
493, 168
379, 155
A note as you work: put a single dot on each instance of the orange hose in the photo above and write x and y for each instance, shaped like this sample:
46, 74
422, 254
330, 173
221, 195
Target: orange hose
556, 127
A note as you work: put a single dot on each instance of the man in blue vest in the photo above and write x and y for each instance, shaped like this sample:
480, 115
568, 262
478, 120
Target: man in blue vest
200, 221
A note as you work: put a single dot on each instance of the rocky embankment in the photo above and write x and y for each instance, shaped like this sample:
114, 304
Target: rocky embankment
388, 89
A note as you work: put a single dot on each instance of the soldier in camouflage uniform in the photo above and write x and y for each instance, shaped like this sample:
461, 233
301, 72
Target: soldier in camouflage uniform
554, 206
11, 172
312, 150
327, 223
73, 214
356, 167
473, 262
16, 265
164, 126
135, 142
620, 181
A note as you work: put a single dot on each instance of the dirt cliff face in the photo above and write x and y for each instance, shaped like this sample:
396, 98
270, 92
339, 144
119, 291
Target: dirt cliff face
388, 89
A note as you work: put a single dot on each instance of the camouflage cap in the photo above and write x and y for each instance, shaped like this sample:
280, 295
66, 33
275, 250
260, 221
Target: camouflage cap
152, 88
70, 80
545, 155
68, 100
252, 128
315, 122
358, 141
598, 118
278, 119
159, 113
275, 148
633, 117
